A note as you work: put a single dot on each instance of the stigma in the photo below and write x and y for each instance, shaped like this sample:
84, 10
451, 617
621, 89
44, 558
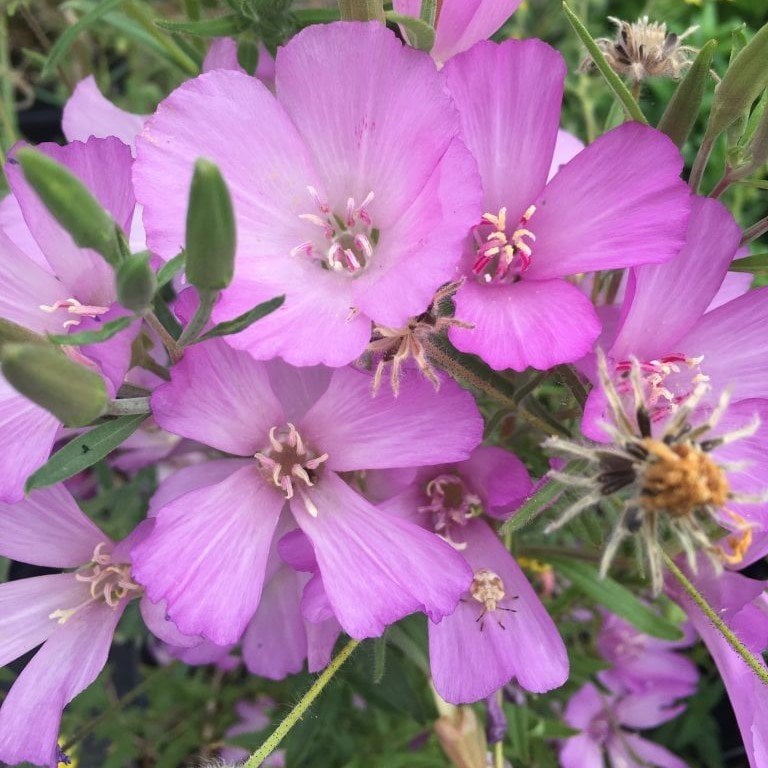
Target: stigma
502, 256
76, 309
347, 240
290, 465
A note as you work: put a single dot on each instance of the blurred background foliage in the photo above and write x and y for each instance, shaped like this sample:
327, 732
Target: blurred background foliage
147, 711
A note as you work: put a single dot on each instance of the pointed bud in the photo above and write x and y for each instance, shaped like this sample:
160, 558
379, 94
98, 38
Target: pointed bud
745, 79
70, 202
210, 239
74, 394
462, 739
136, 282
10, 333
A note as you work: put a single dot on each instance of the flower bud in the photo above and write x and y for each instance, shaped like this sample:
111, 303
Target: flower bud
75, 395
210, 237
70, 202
10, 333
136, 283
462, 739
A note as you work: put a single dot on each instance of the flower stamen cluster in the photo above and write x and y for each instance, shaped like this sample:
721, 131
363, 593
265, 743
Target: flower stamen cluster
500, 255
451, 504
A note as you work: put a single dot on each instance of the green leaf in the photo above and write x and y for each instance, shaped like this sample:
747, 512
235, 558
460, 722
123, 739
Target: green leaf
615, 83
615, 597
420, 35
223, 26
757, 264
533, 506
74, 394
170, 269
683, 108
242, 322
84, 451
745, 79
70, 34
107, 331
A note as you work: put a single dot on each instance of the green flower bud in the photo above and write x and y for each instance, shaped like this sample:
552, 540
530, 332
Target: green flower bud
136, 282
210, 238
73, 206
74, 394
10, 333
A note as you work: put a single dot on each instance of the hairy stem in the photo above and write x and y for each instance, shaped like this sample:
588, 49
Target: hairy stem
756, 230
271, 744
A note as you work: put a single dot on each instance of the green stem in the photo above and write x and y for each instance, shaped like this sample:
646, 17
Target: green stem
362, 10
498, 754
700, 163
614, 81
128, 406
271, 744
171, 345
756, 230
749, 659
200, 318
8, 132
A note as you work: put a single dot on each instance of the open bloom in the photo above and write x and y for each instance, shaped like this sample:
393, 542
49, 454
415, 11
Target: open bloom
500, 630
73, 614
604, 719
618, 202
208, 552
48, 284
459, 24
352, 194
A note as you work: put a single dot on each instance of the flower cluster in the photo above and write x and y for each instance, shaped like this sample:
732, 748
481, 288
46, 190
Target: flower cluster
420, 212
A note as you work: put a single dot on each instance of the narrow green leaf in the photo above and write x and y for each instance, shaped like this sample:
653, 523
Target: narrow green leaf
64, 43
107, 331
420, 34
242, 322
743, 82
379, 658
757, 264
170, 269
222, 26
615, 597
614, 81
84, 451
683, 108
533, 506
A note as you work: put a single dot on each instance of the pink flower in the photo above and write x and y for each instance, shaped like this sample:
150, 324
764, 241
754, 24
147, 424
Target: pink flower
73, 614
52, 286
299, 428
352, 190
500, 630
461, 23
603, 719
618, 202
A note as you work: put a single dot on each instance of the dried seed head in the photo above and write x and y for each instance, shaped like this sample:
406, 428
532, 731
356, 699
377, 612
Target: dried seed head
644, 49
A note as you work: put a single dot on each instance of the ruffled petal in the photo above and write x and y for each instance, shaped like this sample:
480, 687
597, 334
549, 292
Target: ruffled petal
208, 553
220, 397
618, 203
88, 113
528, 323
359, 432
48, 528
69, 662
155, 616
471, 657
509, 125
670, 298
405, 568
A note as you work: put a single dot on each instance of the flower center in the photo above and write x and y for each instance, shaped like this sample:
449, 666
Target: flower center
74, 308
665, 381
681, 479
289, 464
109, 583
499, 256
450, 504
488, 589
347, 240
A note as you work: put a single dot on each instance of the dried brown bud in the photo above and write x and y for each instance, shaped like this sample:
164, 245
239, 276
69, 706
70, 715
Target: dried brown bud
645, 49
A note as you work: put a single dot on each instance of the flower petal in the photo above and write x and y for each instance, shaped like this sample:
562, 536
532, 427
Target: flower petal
220, 397
528, 323
499, 477
509, 125
48, 528
618, 203
69, 662
207, 555
377, 568
359, 432
222, 54
567, 147
471, 660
